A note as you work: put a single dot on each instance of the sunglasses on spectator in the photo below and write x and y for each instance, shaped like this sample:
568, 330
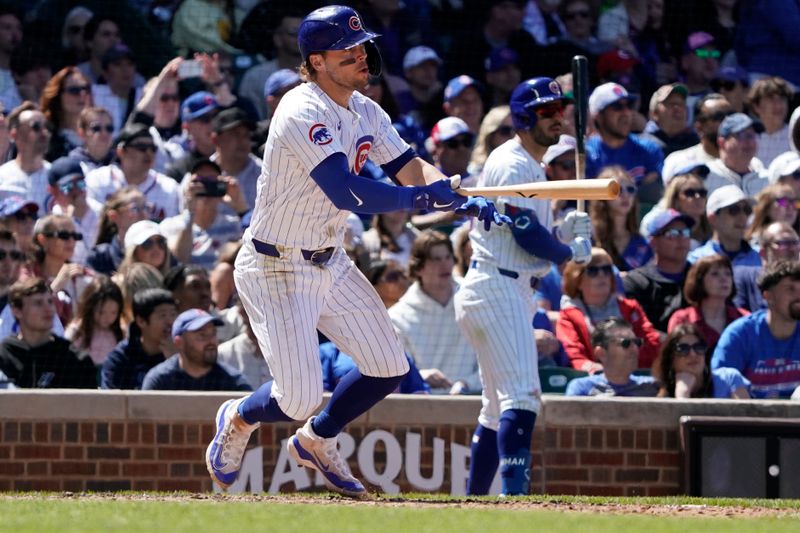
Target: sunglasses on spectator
786, 244
627, 342
458, 142
37, 126
66, 188
64, 235
682, 349
695, 193
595, 270
164, 98
143, 147
719, 116
154, 241
14, 255
76, 90
629, 189
393, 276
727, 85
97, 128
675, 233
74, 29
705, 53
736, 210
506, 131
22, 216
572, 15
620, 105
549, 110
786, 202
565, 164
744, 136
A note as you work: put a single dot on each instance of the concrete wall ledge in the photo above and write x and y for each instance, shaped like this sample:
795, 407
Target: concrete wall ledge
398, 409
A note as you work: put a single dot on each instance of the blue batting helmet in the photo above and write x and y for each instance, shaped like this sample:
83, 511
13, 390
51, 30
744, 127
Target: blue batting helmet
529, 95
337, 28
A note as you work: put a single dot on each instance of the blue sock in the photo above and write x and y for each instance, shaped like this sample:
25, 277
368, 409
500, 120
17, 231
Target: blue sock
514, 446
260, 406
484, 461
352, 397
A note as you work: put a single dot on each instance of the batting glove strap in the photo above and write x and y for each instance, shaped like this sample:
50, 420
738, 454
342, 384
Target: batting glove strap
438, 196
581, 250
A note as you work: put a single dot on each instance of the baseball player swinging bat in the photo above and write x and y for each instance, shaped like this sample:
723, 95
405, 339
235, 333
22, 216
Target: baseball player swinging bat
580, 79
606, 189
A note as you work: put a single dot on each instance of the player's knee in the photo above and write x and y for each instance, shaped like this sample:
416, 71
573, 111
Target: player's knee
302, 409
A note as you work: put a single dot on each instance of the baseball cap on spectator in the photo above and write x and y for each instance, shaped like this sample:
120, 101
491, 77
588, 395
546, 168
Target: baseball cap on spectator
500, 58
665, 91
193, 320
725, 196
419, 55
280, 80
197, 105
115, 53
204, 162
615, 62
786, 164
140, 231
607, 94
447, 128
694, 167
64, 170
697, 40
730, 74
131, 132
737, 123
230, 118
566, 143
14, 204
457, 85
664, 219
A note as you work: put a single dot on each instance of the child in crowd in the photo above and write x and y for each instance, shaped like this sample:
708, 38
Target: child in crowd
96, 329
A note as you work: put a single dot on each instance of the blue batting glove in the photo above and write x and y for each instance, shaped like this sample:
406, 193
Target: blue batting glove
438, 196
480, 207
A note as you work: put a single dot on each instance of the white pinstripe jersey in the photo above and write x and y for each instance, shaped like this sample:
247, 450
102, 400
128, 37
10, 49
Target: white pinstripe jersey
511, 164
291, 210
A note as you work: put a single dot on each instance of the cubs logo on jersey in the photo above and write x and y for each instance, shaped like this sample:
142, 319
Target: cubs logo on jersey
363, 146
319, 135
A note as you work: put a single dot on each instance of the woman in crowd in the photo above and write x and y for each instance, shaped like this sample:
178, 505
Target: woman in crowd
140, 276
683, 371
589, 298
389, 279
96, 328
616, 224
496, 128
64, 97
144, 243
775, 203
390, 237
710, 290
95, 128
54, 239
121, 210
686, 194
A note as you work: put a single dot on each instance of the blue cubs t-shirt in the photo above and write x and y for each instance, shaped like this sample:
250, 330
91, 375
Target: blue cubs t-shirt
727, 380
598, 385
771, 365
638, 156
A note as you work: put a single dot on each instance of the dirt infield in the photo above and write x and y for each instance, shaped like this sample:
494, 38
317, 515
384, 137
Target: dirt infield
538, 503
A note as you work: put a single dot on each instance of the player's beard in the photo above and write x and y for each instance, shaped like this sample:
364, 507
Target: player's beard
543, 138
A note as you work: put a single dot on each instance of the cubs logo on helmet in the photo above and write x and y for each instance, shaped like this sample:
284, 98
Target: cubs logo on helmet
354, 23
529, 95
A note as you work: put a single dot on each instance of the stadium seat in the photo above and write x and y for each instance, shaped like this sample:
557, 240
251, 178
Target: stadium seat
554, 379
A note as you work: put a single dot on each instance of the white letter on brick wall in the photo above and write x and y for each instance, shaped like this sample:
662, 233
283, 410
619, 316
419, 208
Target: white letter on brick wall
394, 460
287, 470
459, 470
251, 473
413, 470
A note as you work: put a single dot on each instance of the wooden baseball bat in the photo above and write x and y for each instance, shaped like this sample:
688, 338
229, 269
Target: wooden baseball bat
607, 189
580, 81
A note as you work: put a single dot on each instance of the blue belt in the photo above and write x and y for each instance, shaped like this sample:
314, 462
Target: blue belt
534, 281
317, 257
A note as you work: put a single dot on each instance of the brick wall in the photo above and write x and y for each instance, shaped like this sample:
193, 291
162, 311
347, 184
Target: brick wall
77, 441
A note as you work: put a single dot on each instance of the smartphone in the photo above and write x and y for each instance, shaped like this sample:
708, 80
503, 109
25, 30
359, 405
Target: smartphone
213, 188
190, 68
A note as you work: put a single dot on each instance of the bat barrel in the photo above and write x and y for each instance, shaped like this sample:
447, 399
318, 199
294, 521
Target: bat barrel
605, 189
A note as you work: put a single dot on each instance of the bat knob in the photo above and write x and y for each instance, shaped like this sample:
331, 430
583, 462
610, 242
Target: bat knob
613, 188
455, 181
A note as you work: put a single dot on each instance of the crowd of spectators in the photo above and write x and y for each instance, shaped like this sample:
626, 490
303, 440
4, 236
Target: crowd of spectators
130, 141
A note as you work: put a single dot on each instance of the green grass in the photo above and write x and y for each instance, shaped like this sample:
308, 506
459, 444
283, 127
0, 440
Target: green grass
45, 513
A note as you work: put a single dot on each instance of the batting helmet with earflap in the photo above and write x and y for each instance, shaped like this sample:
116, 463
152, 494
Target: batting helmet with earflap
529, 95
337, 28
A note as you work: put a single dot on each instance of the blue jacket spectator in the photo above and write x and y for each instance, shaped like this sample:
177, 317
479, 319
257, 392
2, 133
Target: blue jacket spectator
336, 364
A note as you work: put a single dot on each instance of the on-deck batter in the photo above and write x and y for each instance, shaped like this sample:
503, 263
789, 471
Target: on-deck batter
495, 308
292, 274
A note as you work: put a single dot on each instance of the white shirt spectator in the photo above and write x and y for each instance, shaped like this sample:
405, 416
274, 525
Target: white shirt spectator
162, 193
103, 97
252, 85
751, 183
13, 180
242, 354
430, 335
682, 159
771, 145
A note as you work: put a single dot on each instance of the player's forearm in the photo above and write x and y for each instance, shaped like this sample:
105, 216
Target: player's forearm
419, 172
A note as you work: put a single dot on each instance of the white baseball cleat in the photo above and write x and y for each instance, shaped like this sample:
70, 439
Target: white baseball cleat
321, 454
224, 454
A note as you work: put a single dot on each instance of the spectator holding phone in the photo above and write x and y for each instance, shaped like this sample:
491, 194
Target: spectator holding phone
197, 235
231, 131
